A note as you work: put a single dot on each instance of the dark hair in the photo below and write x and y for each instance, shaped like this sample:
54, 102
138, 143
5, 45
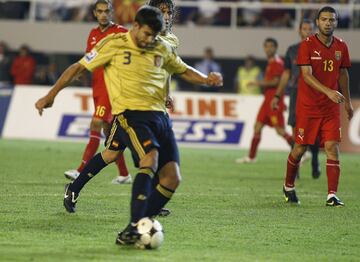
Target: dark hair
328, 9
150, 16
306, 21
106, 2
271, 40
169, 3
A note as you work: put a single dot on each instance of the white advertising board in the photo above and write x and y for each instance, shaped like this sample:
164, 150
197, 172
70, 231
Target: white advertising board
199, 119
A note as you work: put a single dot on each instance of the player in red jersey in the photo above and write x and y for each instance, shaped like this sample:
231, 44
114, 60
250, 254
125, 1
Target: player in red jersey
266, 115
324, 60
102, 116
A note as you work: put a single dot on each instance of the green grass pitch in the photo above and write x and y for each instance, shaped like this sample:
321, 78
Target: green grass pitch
221, 212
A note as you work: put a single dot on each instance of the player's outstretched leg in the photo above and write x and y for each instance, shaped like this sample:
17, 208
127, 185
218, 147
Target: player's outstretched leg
94, 166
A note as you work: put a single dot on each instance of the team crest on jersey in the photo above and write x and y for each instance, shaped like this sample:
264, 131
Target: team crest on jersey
157, 61
90, 56
337, 55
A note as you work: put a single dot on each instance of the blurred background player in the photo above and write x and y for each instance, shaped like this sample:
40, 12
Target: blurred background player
102, 116
267, 116
249, 72
23, 67
323, 60
290, 78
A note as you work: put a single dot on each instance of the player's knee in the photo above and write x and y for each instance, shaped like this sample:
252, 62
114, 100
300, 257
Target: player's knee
298, 151
332, 150
170, 175
110, 156
150, 160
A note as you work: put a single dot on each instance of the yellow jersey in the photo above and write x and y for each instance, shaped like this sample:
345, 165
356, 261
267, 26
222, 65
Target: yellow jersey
134, 76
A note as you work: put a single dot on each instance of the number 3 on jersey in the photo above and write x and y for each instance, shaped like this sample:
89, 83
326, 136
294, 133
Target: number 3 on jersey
328, 65
127, 58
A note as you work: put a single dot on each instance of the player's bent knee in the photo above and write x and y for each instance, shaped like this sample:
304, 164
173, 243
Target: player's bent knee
170, 175
96, 124
110, 156
150, 160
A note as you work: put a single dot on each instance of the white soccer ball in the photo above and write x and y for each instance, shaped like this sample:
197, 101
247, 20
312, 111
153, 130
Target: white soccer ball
151, 233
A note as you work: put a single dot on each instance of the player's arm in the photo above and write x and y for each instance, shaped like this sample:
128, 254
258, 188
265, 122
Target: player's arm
169, 103
64, 80
333, 95
344, 86
284, 79
194, 76
266, 83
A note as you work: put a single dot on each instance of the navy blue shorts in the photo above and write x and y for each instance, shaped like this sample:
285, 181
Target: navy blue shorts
142, 131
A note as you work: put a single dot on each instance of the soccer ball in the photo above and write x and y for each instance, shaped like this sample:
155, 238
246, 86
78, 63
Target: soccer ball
151, 234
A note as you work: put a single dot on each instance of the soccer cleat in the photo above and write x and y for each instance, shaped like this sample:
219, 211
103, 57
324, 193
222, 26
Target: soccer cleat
245, 160
71, 174
290, 196
334, 201
122, 180
70, 199
164, 212
316, 171
128, 236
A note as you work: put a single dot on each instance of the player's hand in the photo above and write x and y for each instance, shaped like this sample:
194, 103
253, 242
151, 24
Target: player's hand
44, 102
214, 79
169, 103
349, 109
336, 96
274, 104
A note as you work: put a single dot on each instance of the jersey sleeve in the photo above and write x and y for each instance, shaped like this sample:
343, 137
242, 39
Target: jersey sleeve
346, 58
100, 55
287, 60
88, 45
174, 64
304, 53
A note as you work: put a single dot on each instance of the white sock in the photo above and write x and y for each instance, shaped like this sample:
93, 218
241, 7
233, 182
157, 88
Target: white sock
289, 188
330, 196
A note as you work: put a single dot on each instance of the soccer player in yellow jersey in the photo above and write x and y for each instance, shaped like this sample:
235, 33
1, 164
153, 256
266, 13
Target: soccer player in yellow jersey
133, 65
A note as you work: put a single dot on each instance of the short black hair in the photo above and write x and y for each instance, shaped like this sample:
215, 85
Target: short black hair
271, 40
306, 21
150, 16
106, 2
327, 9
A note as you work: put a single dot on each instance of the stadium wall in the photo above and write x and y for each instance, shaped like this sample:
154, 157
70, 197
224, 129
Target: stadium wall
226, 42
221, 120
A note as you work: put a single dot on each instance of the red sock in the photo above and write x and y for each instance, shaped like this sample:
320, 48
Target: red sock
289, 139
333, 174
292, 169
120, 162
90, 149
254, 145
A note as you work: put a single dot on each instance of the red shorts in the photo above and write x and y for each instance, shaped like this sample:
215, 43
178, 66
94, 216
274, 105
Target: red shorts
308, 129
102, 108
270, 117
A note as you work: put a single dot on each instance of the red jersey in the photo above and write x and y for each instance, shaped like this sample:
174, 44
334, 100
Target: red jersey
98, 82
326, 63
23, 69
274, 68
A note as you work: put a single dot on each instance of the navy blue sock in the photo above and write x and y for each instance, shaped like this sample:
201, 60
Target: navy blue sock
154, 182
158, 199
140, 192
90, 170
